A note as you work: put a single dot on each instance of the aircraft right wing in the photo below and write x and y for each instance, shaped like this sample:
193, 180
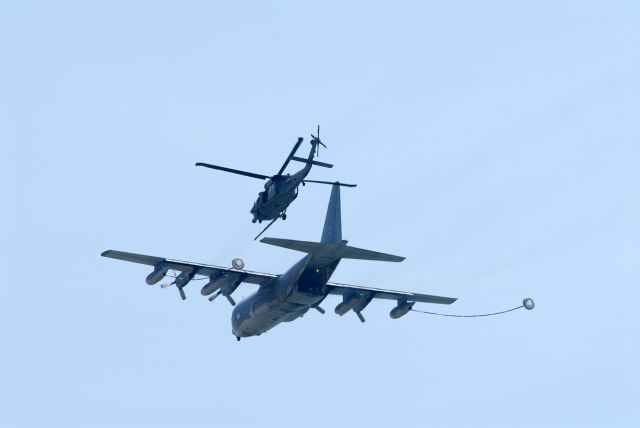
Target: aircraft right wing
379, 293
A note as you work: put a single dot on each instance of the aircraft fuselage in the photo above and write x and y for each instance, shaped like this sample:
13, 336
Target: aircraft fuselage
284, 300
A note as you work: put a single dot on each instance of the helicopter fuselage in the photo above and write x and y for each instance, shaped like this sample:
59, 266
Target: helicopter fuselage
278, 194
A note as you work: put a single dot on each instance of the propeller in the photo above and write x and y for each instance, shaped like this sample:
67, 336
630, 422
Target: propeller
219, 293
316, 140
169, 284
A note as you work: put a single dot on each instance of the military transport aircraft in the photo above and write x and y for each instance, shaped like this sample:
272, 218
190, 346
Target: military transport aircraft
286, 297
280, 189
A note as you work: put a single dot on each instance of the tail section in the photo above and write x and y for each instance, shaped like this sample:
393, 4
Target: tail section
331, 245
332, 231
312, 154
315, 147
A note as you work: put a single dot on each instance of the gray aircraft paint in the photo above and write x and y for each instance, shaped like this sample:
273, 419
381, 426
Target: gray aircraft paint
281, 190
296, 291
286, 297
332, 231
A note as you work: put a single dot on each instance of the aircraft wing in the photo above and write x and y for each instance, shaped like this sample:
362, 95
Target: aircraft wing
379, 293
197, 268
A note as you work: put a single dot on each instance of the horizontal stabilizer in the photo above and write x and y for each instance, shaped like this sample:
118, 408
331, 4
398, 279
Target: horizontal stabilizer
292, 244
338, 250
359, 253
312, 162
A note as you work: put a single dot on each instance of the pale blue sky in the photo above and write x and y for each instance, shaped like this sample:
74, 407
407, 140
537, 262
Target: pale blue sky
495, 145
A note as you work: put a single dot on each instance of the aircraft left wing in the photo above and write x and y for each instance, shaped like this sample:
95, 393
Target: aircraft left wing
251, 277
379, 293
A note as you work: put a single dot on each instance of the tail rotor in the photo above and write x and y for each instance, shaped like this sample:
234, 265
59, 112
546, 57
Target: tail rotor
315, 141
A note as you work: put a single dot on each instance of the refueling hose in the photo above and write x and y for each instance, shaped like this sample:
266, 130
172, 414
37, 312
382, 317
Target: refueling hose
527, 304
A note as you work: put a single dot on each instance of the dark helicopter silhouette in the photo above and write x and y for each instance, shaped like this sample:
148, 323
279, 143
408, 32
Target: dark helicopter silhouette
281, 189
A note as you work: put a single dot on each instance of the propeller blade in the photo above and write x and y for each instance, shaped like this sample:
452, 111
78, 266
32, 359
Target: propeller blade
265, 229
317, 143
316, 137
169, 284
214, 295
233, 171
293, 152
330, 182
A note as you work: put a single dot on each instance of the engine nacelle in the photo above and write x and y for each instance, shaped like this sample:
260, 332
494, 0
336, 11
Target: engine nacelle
348, 302
158, 273
229, 285
184, 278
401, 310
215, 282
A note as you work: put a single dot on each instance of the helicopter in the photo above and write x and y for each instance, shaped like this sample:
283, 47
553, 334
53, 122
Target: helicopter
282, 189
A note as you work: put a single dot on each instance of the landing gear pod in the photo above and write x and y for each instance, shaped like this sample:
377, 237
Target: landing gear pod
401, 309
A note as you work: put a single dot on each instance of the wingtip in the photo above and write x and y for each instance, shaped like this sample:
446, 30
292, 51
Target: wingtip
105, 253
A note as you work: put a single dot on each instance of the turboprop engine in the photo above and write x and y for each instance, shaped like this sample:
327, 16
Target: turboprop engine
224, 284
348, 303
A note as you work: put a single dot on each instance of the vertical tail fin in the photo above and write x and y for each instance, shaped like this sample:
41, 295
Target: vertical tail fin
332, 231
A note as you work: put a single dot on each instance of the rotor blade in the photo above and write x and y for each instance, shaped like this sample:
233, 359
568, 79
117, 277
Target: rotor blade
330, 182
293, 152
265, 229
234, 171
